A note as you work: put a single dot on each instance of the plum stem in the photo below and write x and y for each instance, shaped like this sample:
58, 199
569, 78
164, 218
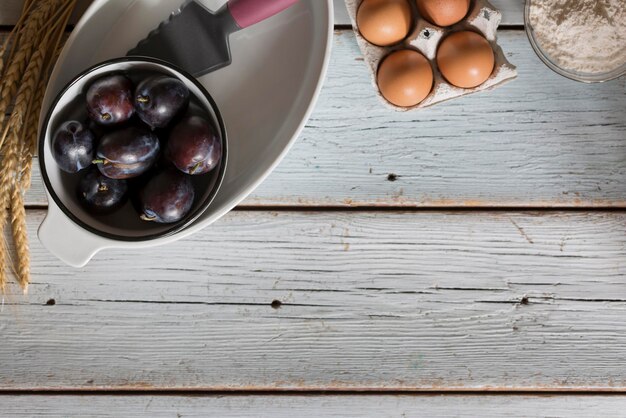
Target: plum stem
106, 116
143, 99
100, 161
147, 218
195, 167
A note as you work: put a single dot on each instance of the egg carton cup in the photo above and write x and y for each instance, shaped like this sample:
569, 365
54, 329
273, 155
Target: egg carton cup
483, 18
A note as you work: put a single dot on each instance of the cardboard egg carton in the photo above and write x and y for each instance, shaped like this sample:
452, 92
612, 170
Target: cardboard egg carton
425, 37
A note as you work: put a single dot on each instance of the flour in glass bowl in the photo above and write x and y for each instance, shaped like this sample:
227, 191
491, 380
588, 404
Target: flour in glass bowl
586, 36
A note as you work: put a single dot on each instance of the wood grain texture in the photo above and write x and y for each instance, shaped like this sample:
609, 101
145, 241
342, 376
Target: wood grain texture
540, 141
334, 300
405, 406
512, 11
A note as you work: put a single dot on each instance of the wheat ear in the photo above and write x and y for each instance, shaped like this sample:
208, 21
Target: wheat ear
32, 49
18, 212
8, 180
18, 63
20, 238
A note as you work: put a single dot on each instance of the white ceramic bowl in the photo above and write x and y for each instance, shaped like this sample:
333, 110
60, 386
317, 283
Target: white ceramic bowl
124, 224
265, 96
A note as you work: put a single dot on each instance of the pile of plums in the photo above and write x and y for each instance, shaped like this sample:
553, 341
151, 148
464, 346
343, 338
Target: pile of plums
141, 142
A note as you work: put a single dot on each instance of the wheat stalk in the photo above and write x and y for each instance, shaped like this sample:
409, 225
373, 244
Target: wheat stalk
30, 133
30, 139
11, 39
21, 184
15, 122
20, 237
33, 30
7, 175
18, 63
25, 55
18, 212
18, 137
29, 53
25, 94
40, 23
10, 194
3, 264
30, 34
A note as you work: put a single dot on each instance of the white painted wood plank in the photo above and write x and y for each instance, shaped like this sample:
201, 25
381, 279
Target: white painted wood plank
370, 300
512, 11
539, 141
347, 406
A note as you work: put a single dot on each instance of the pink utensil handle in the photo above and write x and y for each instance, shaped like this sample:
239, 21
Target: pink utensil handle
248, 12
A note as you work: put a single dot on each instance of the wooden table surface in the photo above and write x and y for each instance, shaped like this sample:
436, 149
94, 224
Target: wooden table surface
465, 260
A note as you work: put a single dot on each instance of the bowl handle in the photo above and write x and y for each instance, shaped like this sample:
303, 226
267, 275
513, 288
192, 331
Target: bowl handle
66, 240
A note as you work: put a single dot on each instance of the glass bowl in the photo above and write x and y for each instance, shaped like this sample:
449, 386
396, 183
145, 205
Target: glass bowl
554, 66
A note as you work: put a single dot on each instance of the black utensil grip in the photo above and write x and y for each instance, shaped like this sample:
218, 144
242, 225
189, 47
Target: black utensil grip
195, 40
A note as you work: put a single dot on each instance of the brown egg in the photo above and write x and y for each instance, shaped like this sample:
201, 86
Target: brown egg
443, 12
405, 78
384, 22
465, 59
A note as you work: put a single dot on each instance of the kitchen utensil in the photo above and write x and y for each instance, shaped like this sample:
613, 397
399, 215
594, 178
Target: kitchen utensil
265, 98
124, 224
197, 39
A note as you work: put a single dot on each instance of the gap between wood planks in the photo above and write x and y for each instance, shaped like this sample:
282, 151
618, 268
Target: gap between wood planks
425, 209
195, 392
420, 209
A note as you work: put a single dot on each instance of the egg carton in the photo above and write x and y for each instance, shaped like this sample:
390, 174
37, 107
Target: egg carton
425, 37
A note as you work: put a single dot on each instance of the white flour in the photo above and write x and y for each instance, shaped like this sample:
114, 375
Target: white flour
581, 35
